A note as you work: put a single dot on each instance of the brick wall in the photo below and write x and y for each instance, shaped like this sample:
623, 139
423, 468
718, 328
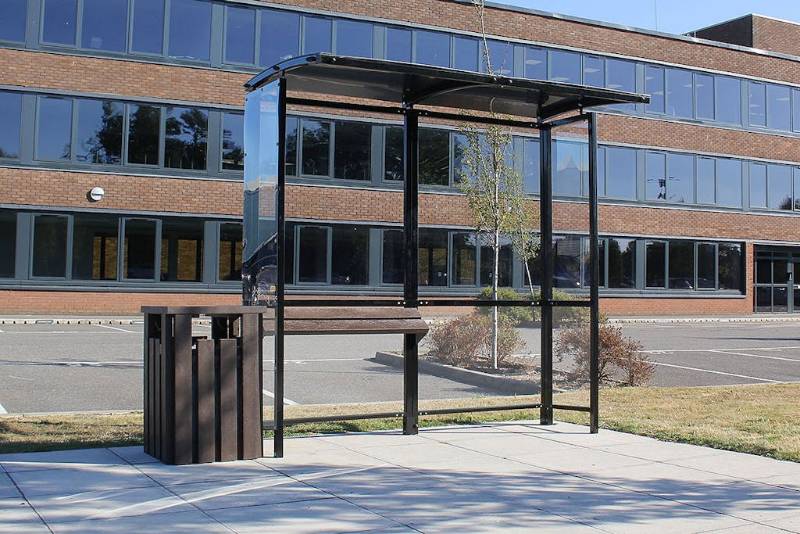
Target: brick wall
776, 35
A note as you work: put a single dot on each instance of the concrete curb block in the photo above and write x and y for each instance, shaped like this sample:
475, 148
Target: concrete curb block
502, 384
699, 320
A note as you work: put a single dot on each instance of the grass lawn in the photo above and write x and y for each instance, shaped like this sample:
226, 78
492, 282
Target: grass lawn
758, 419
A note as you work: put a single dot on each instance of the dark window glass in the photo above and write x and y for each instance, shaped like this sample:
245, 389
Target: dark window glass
535, 63
654, 86
620, 173
99, 132
758, 185
190, 29
655, 176
182, 251
680, 178
531, 166
353, 38
704, 96
13, 15
532, 271
757, 103
594, 71
398, 44
601, 173
8, 243
502, 58
50, 246
186, 138
433, 48
94, 247
706, 266
59, 21
465, 53
240, 35
780, 187
763, 299
230, 252
350, 255
565, 66
464, 258
586, 262
316, 148
393, 257
796, 110
503, 266
779, 107
570, 164
780, 274
280, 36
796, 189
432, 257
681, 265
317, 35
105, 25
567, 261
351, 152
706, 181
291, 145
621, 75
729, 182
10, 117
764, 271
621, 263
460, 148
779, 299
148, 26
730, 266
54, 129
233, 142
655, 256
728, 99
312, 259
139, 255
143, 134
679, 93
393, 157
434, 156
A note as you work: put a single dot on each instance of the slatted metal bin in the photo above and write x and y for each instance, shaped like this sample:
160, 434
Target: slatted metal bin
202, 396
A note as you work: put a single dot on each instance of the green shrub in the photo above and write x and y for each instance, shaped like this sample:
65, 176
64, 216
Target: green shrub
516, 314
467, 341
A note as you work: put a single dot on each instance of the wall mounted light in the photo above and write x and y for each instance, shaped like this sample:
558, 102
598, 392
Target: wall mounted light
96, 194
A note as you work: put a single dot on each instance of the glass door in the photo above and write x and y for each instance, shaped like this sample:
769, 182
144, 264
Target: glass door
775, 277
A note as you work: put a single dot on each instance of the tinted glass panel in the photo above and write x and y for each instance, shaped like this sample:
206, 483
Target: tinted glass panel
8, 243
763, 299
59, 21
681, 265
393, 157
54, 129
182, 251
351, 152
758, 185
99, 132
10, 116
655, 176
621, 173
50, 246
233, 142
280, 36
105, 24
621, 75
353, 38
240, 35
502, 58
434, 156
570, 163
567, 261
730, 266
728, 99
706, 181
780, 187
679, 93
464, 258
230, 252
190, 29
148, 26
565, 66
312, 261
531, 166
764, 271
291, 145
586, 263
796, 110
432, 257
317, 35
398, 44
757, 102
12, 20
594, 71
433, 48
143, 134
186, 142
654, 86
392, 257
779, 107
535, 63
621, 263
504, 266
316, 146
350, 256
465, 53
797, 189
654, 264
706, 266
680, 178
729, 182
139, 256
704, 96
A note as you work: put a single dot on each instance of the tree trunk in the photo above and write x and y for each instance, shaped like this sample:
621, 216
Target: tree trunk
495, 310
530, 280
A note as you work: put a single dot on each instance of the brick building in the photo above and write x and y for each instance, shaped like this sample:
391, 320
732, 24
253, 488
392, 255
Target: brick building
143, 99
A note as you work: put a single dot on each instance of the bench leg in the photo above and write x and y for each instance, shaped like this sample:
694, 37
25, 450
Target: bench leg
410, 384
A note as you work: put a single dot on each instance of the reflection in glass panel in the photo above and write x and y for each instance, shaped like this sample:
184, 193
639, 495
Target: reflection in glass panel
94, 247
182, 251
432, 257
706, 266
434, 156
757, 103
679, 93
8, 243
504, 266
353, 38
655, 176
393, 257
186, 138
59, 21
10, 118
464, 258
621, 75
796, 113
104, 25
654, 86
779, 107
706, 181
531, 166
351, 152
50, 246
148, 26
680, 178
570, 160
393, 157
586, 264
143, 134
780, 299
230, 252
780, 270
621, 173
763, 299
728, 99
594, 71
704, 96
567, 261
312, 259
730, 266
317, 34
729, 182
233, 142
501, 55
465, 53
280, 36
432, 48
190, 29
460, 148
681, 265
779, 179
12, 21
240, 35
655, 258
621, 263
764, 271
398, 44
565, 66
350, 255
758, 185
139, 255
291, 145
99, 132
797, 190
316, 147
54, 129
535, 63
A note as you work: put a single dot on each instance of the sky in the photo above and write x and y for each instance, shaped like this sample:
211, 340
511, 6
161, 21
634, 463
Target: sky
671, 16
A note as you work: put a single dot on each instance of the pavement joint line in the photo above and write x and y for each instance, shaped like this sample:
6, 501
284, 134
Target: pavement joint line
285, 400
760, 356
117, 329
718, 372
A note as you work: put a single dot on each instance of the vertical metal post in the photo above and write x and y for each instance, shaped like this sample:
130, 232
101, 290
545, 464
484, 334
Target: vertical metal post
594, 281
411, 267
546, 258
280, 282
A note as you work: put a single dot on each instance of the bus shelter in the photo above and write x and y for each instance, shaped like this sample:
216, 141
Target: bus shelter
371, 86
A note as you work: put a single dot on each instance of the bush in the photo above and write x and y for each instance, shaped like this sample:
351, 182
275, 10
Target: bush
516, 314
465, 341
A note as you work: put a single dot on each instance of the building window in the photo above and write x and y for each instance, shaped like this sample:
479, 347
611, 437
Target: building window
620, 171
796, 110
779, 183
13, 15
570, 158
144, 125
392, 255
531, 166
464, 258
190, 29
730, 266
434, 157
8, 243
104, 25
535, 63
432, 48
350, 255
182, 251
680, 178
621, 263
398, 44
393, 166
565, 66
504, 266
729, 182
148, 26
353, 38
291, 145
139, 254
758, 185
465, 53
655, 176
240, 35
10, 118
796, 174
94, 247
621, 76
681, 265
655, 264
706, 266
316, 147
586, 262
728, 99
233, 142
779, 107
186, 139
352, 149
567, 261
654, 86
318, 33
704, 96
280, 36
706, 181
54, 129
432, 257
501, 55
59, 21
679, 93
594, 71
312, 259
50, 236
230, 252
757, 98
99, 132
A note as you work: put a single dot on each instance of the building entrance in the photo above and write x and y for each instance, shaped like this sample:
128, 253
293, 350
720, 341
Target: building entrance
777, 276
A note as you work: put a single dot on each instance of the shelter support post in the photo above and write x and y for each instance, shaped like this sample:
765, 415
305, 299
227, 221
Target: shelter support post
411, 289
280, 275
546, 258
594, 293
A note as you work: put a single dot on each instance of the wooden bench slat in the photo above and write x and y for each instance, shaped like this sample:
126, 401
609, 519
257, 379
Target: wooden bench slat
350, 320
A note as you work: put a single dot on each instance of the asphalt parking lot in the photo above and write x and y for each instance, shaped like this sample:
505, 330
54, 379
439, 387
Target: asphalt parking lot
51, 367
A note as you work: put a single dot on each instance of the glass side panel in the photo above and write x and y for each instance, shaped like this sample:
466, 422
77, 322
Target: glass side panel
504, 265
570, 164
567, 261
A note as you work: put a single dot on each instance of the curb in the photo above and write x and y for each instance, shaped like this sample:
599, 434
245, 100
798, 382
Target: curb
501, 384
698, 320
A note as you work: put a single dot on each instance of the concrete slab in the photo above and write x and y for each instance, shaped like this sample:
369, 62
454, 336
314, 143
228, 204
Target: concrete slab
7, 488
79, 479
38, 461
17, 517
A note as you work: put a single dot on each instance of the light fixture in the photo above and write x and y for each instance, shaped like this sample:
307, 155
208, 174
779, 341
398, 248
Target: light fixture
97, 194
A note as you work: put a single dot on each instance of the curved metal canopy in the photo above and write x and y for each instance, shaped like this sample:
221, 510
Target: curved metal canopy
411, 84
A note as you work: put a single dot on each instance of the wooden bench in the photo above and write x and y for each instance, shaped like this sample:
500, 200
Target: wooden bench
349, 320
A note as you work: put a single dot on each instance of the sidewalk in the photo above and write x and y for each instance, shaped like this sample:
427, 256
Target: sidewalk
510, 477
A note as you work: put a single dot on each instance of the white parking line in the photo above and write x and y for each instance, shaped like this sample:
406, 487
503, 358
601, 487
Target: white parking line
760, 356
323, 360
118, 329
716, 372
2, 410
664, 351
285, 400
